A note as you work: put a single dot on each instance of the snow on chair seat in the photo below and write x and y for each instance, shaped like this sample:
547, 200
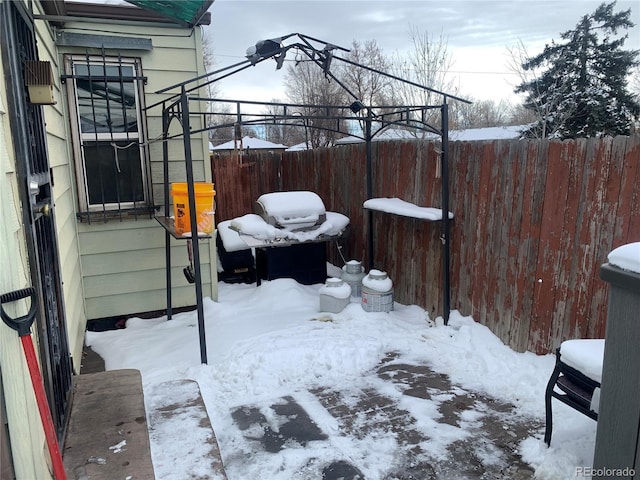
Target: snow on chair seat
577, 376
585, 356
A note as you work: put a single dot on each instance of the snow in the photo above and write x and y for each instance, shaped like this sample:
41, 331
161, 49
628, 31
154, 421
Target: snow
387, 134
626, 257
269, 343
250, 143
287, 217
337, 222
230, 239
256, 227
595, 400
377, 281
335, 288
291, 206
471, 134
175, 411
118, 447
406, 209
357, 264
585, 355
487, 133
299, 147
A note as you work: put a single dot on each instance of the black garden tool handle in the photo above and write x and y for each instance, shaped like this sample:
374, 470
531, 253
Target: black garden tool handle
22, 324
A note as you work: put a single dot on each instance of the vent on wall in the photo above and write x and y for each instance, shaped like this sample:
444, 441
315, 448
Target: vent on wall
39, 80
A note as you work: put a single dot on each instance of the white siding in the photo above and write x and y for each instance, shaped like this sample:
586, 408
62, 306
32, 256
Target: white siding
124, 269
25, 430
123, 262
59, 151
108, 269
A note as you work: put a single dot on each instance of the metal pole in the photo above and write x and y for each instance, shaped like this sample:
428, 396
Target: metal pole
167, 235
367, 136
444, 163
186, 132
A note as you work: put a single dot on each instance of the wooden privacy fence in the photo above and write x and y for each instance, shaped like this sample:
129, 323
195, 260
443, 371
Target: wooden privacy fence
533, 222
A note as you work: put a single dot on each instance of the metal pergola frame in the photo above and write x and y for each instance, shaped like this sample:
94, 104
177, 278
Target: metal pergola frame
176, 107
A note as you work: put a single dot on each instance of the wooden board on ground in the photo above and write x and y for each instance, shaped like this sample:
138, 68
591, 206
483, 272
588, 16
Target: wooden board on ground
107, 437
177, 415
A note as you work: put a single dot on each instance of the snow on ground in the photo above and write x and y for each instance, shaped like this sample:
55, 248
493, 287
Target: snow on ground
271, 342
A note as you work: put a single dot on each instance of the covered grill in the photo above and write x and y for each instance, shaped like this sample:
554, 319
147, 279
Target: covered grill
289, 233
292, 211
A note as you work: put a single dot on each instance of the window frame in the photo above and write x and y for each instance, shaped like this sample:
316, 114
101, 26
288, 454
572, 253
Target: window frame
80, 139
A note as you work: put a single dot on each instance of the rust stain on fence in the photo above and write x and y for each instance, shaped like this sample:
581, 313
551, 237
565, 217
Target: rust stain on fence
534, 220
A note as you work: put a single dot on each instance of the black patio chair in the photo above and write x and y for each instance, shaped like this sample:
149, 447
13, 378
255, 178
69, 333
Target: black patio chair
238, 266
574, 388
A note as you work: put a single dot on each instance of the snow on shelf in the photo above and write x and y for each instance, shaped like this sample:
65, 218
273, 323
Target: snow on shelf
405, 209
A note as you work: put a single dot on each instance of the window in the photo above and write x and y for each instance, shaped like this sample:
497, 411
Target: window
106, 96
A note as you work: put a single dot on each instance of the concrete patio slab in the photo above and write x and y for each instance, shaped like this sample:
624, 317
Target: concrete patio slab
487, 452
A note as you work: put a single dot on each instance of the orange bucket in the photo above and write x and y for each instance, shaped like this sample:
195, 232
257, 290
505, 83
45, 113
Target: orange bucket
205, 207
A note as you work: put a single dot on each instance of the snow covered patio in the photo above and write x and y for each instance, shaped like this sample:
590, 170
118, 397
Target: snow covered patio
293, 393
398, 421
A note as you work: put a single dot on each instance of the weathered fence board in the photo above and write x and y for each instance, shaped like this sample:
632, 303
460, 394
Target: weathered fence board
598, 253
235, 186
534, 220
629, 190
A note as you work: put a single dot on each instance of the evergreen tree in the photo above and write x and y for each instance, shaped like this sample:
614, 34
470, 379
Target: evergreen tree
581, 88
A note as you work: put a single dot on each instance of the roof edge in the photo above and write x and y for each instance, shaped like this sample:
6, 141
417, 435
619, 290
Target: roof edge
113, 12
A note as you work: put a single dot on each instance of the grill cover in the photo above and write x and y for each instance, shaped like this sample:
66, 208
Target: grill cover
294, 211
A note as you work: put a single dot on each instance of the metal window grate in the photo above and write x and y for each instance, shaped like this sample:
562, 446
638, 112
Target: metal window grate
113, 154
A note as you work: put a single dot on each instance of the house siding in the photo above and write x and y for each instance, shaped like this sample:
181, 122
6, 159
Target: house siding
59, 151
123, 262
107, 269
25, 431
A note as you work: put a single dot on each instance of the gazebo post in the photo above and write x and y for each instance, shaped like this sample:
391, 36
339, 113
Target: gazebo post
444, 163
369, 161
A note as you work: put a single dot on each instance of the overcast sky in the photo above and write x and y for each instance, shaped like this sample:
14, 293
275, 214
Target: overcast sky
478, 34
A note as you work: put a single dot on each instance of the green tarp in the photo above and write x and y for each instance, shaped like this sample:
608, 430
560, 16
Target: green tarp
187, 12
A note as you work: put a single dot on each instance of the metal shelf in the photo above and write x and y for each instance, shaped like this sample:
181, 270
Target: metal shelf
169, 225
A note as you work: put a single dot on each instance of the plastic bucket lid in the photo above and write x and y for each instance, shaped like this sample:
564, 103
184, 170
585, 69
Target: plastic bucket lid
199, 188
